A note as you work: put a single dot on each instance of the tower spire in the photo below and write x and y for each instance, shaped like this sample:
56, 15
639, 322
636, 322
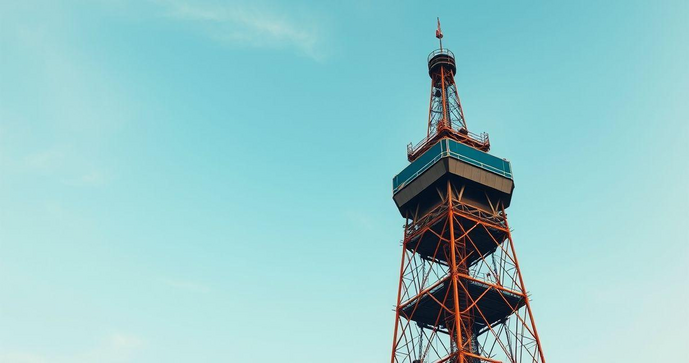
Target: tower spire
439, 35
445, 114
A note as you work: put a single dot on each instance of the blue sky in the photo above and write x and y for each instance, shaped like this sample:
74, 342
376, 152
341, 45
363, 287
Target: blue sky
210, 181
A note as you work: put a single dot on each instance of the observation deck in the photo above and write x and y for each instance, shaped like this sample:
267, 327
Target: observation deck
494, 302
427, 235
448, 158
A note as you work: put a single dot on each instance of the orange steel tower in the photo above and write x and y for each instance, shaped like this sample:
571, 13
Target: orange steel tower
461, 296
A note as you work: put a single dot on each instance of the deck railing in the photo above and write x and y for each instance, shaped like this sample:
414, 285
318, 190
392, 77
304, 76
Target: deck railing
480, 139
440, 51
445, 149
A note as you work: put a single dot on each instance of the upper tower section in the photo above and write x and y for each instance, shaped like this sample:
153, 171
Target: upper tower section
445, 114
449, 152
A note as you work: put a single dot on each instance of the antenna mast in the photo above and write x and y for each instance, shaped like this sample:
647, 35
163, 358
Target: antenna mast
439, 35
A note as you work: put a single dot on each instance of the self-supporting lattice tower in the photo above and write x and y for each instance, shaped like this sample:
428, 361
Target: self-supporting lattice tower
461, 295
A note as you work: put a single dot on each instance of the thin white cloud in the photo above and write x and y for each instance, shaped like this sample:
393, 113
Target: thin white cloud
19, 357
115, 348
44, 161
187, 285
93, 178
360, 220
75, 104
252, 25
62, 163
124, 343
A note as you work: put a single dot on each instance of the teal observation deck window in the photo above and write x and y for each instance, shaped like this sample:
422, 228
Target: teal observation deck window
456, 150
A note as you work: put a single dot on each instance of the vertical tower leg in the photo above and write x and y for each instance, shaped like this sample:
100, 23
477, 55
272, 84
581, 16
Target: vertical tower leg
455, 263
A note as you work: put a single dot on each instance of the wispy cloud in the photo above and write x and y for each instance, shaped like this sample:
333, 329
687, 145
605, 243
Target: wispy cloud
360, 220
93, 178
253, 25
75, 103
124, 343
186, 285
44, 161
62, 163
116, 347
21, 357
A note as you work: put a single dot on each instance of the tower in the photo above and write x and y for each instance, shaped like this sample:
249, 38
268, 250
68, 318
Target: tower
461, 296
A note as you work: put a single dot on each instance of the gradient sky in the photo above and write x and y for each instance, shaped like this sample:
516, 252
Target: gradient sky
210, 181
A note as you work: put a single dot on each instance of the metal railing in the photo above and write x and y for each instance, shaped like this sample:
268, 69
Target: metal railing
441, 51
418, 172
445, 153
479, 164
481, 139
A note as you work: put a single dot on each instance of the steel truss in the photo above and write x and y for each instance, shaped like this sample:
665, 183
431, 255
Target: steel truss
461, 297
445, 111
